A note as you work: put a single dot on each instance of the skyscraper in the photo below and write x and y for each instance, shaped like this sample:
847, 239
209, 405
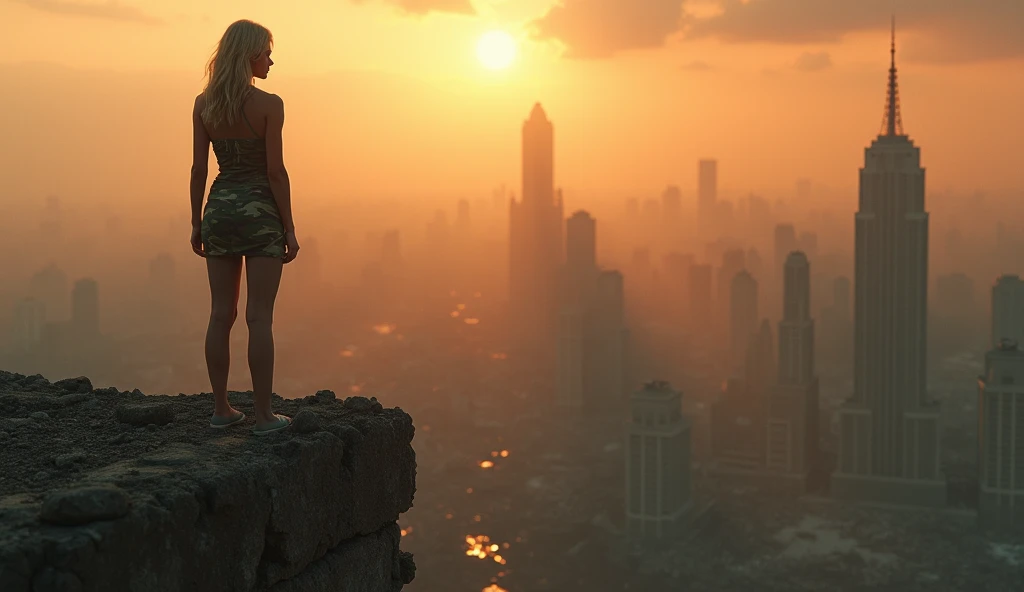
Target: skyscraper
535, 237
700, 296
581, 243
733, 262
889, 431
793, 407
659, 490
1001, 439
1008, 310
672, 206
29, 323
591, 328
707, 191
743, 319
85, 309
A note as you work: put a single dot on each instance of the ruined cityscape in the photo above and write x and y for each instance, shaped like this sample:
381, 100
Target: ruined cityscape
691, 391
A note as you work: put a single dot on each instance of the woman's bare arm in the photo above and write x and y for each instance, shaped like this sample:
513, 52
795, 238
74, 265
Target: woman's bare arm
276, 172
200, 162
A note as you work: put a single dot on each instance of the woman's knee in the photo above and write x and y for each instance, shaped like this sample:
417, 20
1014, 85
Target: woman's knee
224, 317
259, 315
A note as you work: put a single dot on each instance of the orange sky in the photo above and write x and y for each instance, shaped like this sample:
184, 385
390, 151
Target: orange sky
387, 97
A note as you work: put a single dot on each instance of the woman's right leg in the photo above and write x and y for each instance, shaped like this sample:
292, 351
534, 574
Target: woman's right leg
262, 277
225, 276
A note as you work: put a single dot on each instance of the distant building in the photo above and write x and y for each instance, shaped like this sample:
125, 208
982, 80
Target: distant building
535, 238
1001, 439
50, 286
1008, 310
733, 262
659, 489
591, 332
672, 206
889, 429
738, 415
793, 419
743, 317
707, 191
29, 325
701, 310
85, 309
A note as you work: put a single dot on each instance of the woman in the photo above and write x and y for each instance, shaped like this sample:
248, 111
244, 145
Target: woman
248, 214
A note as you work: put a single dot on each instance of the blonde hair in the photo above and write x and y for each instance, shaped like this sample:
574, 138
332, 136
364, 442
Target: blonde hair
229, 71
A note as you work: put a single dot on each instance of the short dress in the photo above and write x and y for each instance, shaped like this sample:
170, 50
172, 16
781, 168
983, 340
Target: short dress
241, 216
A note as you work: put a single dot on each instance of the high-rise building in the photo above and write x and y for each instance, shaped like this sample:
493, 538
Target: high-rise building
700, 297
1001, 439
591, 331
793, 408
85, 309
581, 243
672, 205
707, 190
743, 319
608, 346
733, 262
785, 243
50, 286
659, 490
29, 324
535, 238
889, 429
1008, 310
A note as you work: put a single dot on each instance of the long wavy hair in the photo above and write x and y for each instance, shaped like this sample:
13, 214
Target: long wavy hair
229, 71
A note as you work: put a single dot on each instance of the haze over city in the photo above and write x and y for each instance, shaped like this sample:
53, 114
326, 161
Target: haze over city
702, 294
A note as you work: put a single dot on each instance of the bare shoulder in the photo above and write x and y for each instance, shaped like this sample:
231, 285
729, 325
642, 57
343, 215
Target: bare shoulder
200, 100
267, 101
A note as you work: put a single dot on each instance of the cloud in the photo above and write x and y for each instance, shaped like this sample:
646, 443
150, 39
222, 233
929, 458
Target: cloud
927, 30
592, 29
421, 7
697, 66
813, 61
968, 29
109, 10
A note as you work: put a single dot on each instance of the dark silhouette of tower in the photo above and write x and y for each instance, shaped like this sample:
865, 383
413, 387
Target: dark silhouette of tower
889, 429
535, 237
793, 409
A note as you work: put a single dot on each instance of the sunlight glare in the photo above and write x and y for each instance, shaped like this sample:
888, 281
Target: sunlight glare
496, 50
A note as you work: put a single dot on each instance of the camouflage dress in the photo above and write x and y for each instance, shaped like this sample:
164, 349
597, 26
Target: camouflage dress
241, 216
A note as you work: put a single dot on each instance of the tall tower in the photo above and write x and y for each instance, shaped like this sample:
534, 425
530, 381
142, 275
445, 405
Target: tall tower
85, 309
743, 319
889, 431
578, 286
707, 190
535, 237
1008, 310
658, 482
793, 408
581, 242
1001, 439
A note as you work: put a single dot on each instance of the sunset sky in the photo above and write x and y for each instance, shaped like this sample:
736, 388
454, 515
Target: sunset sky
388, 96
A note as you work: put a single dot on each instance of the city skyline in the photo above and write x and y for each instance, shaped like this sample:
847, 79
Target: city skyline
350, 99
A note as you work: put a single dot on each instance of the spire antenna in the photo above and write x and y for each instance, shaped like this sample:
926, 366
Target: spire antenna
892, 122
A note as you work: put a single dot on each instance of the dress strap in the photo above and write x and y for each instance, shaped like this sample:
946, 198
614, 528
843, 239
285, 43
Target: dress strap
249, 124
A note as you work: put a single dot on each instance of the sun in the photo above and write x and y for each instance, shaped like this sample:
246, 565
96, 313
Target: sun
496, 50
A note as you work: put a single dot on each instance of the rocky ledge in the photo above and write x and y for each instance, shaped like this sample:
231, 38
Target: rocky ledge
113, 491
